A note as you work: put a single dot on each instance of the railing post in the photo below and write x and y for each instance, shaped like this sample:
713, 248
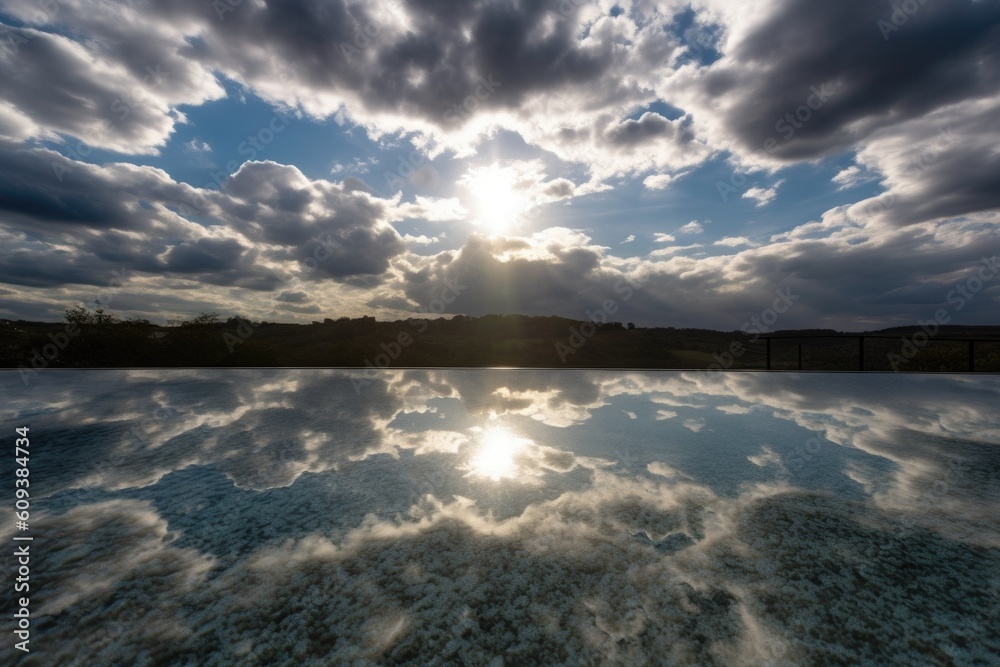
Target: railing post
972, 356
861, 353
800, 356
768, 353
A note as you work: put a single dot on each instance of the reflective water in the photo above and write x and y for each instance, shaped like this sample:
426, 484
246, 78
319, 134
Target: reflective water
487, 517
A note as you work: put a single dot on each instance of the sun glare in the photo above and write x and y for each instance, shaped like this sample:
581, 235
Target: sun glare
498, 202
496, 456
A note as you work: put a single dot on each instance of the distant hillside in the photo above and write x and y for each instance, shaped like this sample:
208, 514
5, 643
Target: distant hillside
89, 339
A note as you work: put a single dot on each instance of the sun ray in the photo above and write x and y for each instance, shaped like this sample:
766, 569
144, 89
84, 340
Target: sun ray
496, 455
498, 203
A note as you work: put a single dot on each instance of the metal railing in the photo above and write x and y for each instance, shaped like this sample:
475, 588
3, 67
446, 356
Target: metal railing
861, 338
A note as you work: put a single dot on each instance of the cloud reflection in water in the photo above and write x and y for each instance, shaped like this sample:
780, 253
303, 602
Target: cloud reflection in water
274, 516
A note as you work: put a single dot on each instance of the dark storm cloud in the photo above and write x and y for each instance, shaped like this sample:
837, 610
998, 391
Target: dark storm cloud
114, 84
353, 253
48, 268
425, 65
856, 75
333, 229
632, 132
937, 167
564, 283
43, 187
204, 256
362, 50
293, 297
883, 275
66, 222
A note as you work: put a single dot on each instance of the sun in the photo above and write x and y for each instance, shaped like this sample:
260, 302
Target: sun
498, 202
496, 455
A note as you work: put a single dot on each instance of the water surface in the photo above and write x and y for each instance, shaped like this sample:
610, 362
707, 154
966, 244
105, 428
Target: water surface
486, 517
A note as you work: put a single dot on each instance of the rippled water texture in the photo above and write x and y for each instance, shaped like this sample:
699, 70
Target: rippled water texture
485, 517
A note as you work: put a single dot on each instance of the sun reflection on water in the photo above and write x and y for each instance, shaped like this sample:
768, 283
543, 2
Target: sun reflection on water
496, 454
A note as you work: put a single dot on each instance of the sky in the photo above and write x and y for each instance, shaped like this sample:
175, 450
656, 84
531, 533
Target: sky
666, 163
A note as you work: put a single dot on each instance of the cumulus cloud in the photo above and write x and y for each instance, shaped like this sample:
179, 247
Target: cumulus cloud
693, 227
734, 241
763, 196
840, 80
852, 177
198, 146
69, 222
120, 89
658, 181
848, 83
455, 75
585, 85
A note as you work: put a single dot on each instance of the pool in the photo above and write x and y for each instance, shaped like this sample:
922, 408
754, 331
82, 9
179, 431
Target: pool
507, 517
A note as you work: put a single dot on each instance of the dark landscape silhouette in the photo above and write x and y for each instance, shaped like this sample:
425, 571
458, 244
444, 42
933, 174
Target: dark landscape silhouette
95, 339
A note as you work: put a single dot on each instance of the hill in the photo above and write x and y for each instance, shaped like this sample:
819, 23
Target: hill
87, 339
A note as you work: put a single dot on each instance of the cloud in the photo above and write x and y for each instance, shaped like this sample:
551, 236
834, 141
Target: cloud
845, 83
434, 209
658, 181
934, 167
734, 241
852, 177
629, 239
119, 90
198, 146
421, 240
455, 75
839, 80
293, 297
632, 132
555, 271
763, 196
693, 227
69, 222
583, 85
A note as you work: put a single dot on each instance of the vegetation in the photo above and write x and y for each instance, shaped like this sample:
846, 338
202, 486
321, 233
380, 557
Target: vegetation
95, 339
